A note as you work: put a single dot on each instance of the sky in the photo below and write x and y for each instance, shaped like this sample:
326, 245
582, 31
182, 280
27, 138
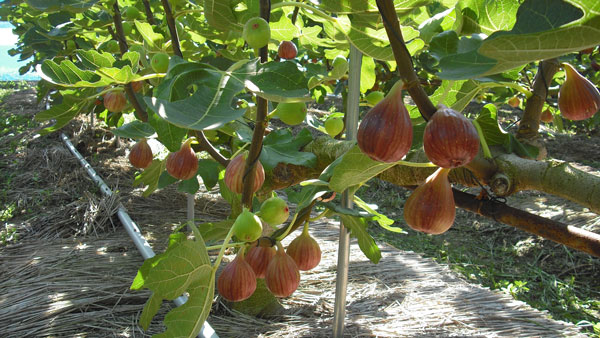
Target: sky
9, 66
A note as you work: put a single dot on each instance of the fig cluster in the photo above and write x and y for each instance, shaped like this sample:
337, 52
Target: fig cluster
279, 268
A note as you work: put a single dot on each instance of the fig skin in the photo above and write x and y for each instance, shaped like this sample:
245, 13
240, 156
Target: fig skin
234, 174
140, 155
256, 32
274, 211
137, 86
259, 258
247, 226
115, 101
430, 208
305, 251
450, 139
287, 50
385, 133
578, 98
237, 281
547, 116
282, 277
183, 164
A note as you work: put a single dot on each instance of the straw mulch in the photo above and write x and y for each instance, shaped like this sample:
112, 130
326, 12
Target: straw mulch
80, 287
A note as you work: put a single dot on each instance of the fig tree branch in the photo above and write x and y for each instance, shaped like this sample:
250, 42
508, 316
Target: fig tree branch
570, 236
148, 11
139, 110
172, 28
260, 125
404, 59
530, 123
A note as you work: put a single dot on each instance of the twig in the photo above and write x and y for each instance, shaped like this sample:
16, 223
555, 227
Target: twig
403, 59
261, 124
530, 122
139, 111
172, 28
149, 15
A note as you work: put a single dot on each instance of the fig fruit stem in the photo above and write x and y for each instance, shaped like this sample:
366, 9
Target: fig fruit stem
222, 251
229, 245
325, 213
417, 164
287, 230
484, 146
305, 229
512, 85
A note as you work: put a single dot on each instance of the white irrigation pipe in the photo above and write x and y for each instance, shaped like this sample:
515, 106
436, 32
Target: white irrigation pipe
132, 229
341, 283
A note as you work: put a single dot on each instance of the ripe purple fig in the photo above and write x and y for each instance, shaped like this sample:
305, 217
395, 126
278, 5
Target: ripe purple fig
274, 211
287, 50
282, 276
259, 258
578, 98
450, 139
234, 174
115, 101
247, 226
385, 133
305, 251
237, 281
183, 164
430, 208
140, 155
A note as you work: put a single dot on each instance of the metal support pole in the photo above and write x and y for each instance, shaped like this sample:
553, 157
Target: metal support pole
191, 202
341, 284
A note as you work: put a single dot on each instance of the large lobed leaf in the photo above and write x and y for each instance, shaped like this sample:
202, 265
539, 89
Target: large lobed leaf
183, 267
544, 29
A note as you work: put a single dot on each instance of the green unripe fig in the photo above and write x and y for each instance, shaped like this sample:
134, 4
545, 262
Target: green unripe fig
291, 113
127, 28
373, 98
340, 66
71, 45
110, 46
160, 62
247, 226
334, 125
131, 13
257, 32
274, 211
